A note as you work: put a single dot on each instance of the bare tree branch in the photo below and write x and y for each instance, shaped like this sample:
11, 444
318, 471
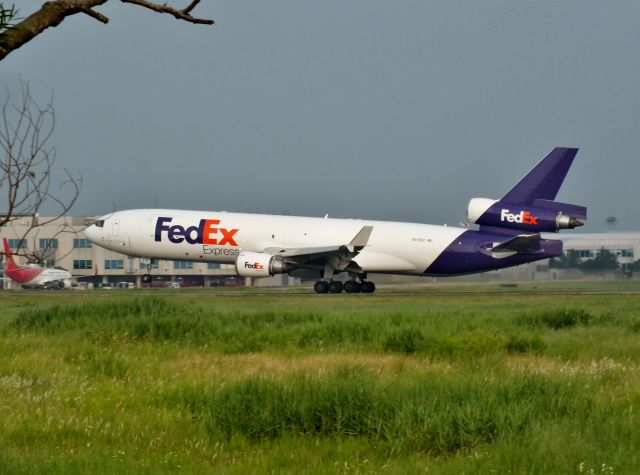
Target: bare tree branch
52, 13
94, 14
178, 14
27, 161
191, 6
42, 248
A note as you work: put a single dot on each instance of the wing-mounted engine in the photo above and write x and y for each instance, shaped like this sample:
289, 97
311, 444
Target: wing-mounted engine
259, 264
278, 260
540, 216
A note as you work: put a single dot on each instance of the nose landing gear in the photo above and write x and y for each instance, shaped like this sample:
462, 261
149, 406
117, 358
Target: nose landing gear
146, 278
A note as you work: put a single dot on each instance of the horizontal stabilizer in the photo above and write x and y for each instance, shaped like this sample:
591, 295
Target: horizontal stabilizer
521, 244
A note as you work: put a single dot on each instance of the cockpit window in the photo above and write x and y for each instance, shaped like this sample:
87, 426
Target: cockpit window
99, 223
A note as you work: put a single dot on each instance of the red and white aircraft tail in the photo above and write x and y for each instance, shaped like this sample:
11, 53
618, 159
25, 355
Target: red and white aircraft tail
34, 277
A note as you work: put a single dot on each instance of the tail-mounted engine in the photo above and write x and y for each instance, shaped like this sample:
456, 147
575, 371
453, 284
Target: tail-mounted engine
541, 216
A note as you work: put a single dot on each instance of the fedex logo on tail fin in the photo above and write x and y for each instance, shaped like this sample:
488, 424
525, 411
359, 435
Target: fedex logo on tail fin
523, 217
206, 232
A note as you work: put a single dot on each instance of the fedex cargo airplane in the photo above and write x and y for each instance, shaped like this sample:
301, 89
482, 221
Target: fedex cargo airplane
35, 277
264, 245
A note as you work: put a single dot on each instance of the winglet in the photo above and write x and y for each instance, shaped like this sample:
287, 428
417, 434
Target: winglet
361, 239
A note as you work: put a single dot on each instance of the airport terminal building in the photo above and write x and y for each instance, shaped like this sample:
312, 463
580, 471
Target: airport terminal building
62, 243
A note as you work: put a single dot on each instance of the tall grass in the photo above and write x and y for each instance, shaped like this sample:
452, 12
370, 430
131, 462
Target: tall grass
429, 331
294, 330
445, 384
557, 319
434, 415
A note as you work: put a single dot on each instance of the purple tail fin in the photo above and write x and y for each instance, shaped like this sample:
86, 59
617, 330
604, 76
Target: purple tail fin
544, 181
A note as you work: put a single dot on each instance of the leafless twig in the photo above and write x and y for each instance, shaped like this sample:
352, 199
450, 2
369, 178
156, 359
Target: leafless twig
27, 160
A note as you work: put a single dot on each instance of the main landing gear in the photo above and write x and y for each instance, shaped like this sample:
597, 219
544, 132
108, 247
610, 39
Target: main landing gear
351, 286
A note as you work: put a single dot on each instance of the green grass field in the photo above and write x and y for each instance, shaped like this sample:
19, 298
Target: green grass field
520, 381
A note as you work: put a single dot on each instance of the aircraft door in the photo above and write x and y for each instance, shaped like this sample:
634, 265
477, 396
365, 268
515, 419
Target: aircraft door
115, 236
112, 228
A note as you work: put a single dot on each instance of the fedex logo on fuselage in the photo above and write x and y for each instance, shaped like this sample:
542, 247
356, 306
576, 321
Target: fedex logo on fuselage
206, 232
523, 217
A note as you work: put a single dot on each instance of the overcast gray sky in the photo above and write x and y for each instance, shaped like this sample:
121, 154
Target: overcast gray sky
398, 110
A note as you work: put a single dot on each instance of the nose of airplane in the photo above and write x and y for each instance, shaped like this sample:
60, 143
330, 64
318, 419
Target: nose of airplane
91, 233
95, 232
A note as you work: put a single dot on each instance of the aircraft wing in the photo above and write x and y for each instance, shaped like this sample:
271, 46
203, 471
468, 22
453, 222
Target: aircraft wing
339, 256
520, 244
304, 251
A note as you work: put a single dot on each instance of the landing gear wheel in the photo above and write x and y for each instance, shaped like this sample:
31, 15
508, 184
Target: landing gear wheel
335, 287
351, 287
146, 278
367, 287
321, 287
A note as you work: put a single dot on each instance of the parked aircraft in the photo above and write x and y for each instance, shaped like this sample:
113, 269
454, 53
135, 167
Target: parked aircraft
264, 245
35, 277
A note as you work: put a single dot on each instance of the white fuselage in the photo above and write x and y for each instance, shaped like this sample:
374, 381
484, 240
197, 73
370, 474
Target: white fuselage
50, 275
34, 277
393, 247
262, 245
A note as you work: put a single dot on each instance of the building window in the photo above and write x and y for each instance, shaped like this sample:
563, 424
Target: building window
82, 244
113, 264
627, 253
82, 264
213, 265
585, 254
48, 244
17, 244
154, 265
181, 265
